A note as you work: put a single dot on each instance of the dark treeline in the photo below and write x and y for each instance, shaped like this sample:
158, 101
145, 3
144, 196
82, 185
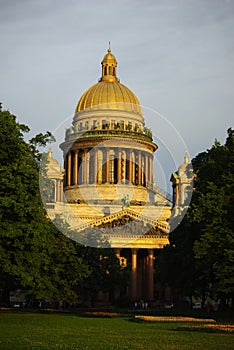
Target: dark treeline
200, 258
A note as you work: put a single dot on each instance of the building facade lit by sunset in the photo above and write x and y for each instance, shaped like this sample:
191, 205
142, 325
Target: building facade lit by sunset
108, 180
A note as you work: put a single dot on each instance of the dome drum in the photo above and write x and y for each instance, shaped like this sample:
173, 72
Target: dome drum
102, 194
114, 122
111, 115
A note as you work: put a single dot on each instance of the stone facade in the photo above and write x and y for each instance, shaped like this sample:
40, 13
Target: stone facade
108, 177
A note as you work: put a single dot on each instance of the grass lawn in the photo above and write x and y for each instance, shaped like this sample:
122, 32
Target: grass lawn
24, 330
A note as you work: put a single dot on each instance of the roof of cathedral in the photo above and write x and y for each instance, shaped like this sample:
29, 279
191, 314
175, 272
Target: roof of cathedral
109, 93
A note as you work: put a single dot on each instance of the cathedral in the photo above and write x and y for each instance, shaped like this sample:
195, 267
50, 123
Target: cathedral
106, 192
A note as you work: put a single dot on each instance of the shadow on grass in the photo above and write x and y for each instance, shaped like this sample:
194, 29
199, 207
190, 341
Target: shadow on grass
203, 329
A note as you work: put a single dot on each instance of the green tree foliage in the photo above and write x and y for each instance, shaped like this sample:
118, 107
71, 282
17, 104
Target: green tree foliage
201, 253
106, 274
213, 213
33, 253
175, 265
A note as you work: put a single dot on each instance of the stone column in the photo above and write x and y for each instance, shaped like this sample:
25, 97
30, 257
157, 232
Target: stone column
150, 274
107, 175
61, 188
130, 167
146, 169
60, 191
87, 166
181, 194
99, 167
57, 190
142, 168
83, 168
119, 178
95, 166
123, 166
76, 168
139, 168
69, 169
151, 170
133, 168
134, 293
65, 171
112, 166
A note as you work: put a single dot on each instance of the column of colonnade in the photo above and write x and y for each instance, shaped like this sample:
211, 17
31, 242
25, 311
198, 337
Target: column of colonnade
107, 174
137, 289
134, 291
75, 168
136, 166
150, 274
87, 166
130, 170
59, 191
146, 170
69, 169
139, 175
119, 174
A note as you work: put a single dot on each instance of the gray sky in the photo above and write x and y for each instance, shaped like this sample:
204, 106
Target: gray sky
176, 55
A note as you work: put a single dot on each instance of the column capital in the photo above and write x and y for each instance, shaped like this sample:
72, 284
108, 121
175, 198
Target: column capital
134, 250
150, 251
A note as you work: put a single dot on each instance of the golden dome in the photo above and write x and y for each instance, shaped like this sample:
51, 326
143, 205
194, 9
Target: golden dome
109, 93
114, 96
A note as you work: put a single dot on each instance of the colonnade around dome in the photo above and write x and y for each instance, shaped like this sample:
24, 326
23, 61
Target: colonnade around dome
108, 127
108, 165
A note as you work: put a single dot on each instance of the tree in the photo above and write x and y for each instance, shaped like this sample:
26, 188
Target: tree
33, 254
106, 274
213, 212
175, 265
201, 252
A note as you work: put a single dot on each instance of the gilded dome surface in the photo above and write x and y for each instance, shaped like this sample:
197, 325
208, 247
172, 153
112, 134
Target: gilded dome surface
109, 57
109, 95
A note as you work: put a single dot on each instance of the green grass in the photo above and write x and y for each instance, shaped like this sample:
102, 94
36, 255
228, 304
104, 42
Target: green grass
22, 330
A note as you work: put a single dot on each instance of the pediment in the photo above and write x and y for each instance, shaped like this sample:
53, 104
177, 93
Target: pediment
127, 222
